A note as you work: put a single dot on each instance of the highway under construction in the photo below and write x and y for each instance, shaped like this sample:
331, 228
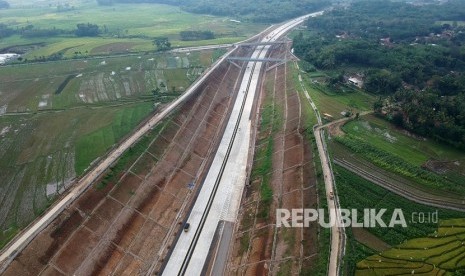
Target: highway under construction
193, 170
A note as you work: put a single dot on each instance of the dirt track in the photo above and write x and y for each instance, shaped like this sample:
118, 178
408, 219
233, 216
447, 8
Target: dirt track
260, 248
127, 227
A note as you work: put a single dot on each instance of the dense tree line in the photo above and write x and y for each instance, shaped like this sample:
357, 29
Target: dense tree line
29, 31
162, 43
87, 29
4, 4
258, 11
429, 114
5, 31
196, 35
405, 54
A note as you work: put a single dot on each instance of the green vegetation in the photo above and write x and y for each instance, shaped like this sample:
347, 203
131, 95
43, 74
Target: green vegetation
320, 266
398, 50
258, 11
357, 193
334, 99
196, 35
394, 163
87, 29
263, 165
61, 116
381, 134
244, 243
95, 144
428, 163
42, 32
162, 43
442, 252
129, 157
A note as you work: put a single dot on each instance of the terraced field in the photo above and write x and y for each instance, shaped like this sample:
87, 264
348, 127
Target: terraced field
429, 164
357, 193
439, 254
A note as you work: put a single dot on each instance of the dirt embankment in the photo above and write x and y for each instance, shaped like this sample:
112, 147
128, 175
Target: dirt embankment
126, 228
261, 248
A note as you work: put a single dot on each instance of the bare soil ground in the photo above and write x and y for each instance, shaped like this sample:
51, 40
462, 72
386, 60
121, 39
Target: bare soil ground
260, 248
126, 228
365, 237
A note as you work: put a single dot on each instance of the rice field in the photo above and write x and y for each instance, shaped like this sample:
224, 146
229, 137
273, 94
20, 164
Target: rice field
125, 28
65, 84
57, 118
442, 253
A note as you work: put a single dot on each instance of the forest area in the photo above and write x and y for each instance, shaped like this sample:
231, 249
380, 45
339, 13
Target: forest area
263, 11
411, 56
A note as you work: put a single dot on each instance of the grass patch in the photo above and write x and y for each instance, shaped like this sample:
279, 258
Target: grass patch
125, 28
7, 235
381, 134
396, 164
244, 243
334, 101
264, 154
95, 144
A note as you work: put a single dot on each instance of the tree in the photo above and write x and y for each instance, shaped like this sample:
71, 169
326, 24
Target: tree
382, 81
162, 43
105, 2
87, 29
196, 35
4, 4
378, 105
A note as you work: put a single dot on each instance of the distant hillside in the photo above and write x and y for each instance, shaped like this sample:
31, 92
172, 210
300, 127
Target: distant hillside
266, 11
4, 4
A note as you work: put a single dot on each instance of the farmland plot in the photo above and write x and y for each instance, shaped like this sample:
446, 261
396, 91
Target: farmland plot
439, 254
58, 118
66, 84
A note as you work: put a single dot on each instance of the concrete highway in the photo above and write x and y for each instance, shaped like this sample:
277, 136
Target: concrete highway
222, 189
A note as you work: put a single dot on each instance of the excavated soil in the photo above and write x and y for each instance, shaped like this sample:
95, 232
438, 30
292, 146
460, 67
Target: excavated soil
260, 248
125, 228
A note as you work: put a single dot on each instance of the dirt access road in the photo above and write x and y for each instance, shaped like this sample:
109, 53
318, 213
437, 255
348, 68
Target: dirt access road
338, 237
